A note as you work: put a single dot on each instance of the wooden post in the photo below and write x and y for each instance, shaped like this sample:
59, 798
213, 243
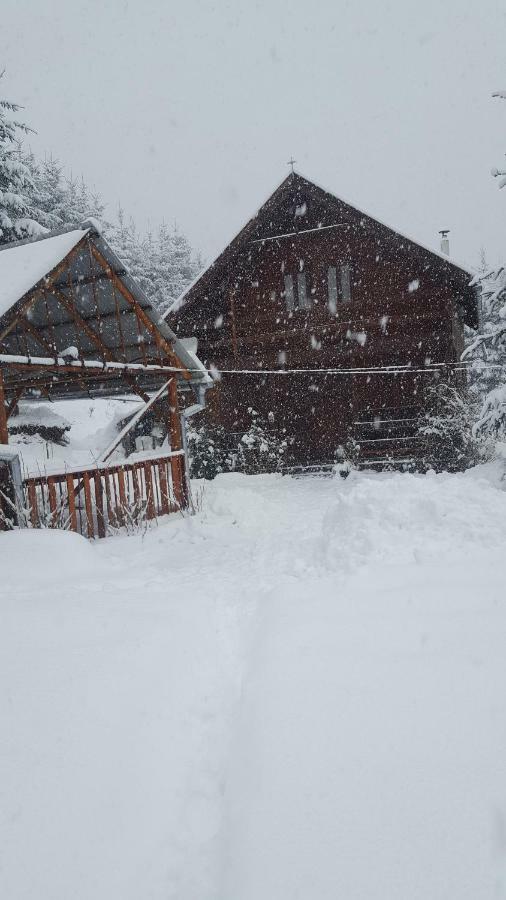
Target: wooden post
180, 487
4, 433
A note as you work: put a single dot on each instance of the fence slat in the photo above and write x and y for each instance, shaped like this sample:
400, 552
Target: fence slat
33, 504
150, 508
164, 489
51, 489
87, 503
99, 504
135, 482
71, 500
107, 477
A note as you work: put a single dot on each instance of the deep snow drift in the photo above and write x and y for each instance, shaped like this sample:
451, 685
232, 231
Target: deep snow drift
299, 692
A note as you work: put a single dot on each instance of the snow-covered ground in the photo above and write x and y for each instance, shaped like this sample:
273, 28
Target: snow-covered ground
93, 424
298, 693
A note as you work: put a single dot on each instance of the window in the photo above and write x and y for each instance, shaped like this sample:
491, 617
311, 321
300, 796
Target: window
338, 291
332, 289
289, 293
296, 293
304, 300
346, 283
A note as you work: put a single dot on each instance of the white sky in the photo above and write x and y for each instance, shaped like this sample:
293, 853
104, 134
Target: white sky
189, 110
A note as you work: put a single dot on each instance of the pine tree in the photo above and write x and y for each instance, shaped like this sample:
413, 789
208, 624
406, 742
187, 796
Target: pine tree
47, 190
18, 218
79, 203
163, 266
135, 252
175, 266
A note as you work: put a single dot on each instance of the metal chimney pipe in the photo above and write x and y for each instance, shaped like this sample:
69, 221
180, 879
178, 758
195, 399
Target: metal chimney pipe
445, 243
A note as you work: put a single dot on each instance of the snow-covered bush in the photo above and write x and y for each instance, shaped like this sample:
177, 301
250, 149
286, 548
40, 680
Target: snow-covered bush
450, 440
260, 449
487, 354
212, 450
206, 451
347, 458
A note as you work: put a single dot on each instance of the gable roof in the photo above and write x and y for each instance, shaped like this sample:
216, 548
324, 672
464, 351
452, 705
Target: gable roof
290, 187
70, 290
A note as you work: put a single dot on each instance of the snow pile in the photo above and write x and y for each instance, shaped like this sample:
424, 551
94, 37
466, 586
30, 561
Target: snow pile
299, 692
93, 425
428, 519
34, 414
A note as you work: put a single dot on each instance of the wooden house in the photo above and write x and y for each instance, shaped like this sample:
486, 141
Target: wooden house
329, 324
73, 324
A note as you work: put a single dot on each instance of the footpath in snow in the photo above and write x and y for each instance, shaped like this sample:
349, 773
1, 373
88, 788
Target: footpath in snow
298, 693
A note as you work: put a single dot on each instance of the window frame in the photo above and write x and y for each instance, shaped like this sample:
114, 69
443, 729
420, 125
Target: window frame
293, 293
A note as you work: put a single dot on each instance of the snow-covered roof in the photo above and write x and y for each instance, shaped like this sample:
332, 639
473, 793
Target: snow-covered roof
101, 314
24, 264
444, 256
179, 302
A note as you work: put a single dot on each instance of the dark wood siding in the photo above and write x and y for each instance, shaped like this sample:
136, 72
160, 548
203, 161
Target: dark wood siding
405, 309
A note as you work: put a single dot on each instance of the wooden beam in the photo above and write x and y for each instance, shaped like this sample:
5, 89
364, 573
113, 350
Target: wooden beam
136, 389
179, 485
93, 336
133, 421
25, 324
86, 279
4, 432
14, 402
150, 326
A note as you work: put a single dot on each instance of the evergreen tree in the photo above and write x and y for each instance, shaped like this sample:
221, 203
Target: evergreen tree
162, 266
449, 439
487, 353
135, 252
79, 203
176, 266
47, 190
487, 350
18, 216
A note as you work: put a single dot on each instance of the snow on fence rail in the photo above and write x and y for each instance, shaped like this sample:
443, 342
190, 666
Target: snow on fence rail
100, 499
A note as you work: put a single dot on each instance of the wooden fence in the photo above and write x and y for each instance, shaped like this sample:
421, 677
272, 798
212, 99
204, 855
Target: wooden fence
98, 500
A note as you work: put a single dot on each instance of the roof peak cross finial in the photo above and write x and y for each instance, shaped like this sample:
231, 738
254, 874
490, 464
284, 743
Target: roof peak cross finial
291, 162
